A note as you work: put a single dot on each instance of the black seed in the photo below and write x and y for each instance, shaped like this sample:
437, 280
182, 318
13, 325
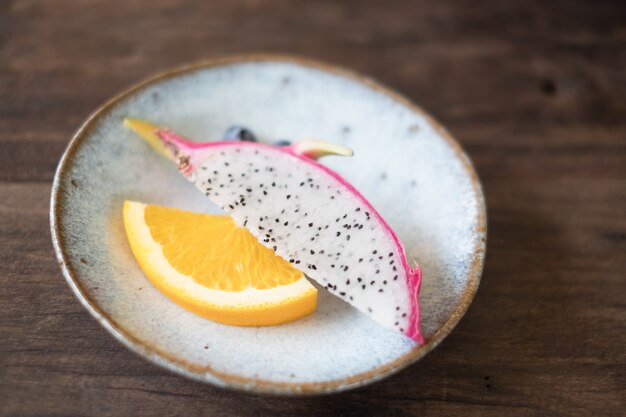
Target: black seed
301, 184
249, 190
245, 222
380, 257
332, 197
312, 252
260, 227
231, 206
391, 262
274, 247
310, 224
348, 237
342, 294
345, 269
359, 279
369, 309
397, 308
285, 224
338, 233
273, 184
378, 271
363, 286
360, 259
385, 282
381, 290
351, 298
394, 268
374, 252
367, 214
267, 235
314, 267
390, 253
297, 262
337, 219
372, 283
288, 196
291, 261
345, 215
360, 226
329, 285
395, 277
215, 172
277, 220
264, 192
332, 265
396, 323
358, 209
226, 163
347, 282
266, 240
310, 179
403, 314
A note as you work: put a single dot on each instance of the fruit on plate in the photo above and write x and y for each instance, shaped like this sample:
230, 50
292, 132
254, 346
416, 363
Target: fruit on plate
307, 214
215, 268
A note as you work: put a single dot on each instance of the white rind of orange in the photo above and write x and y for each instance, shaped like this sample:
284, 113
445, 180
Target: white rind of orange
249, 307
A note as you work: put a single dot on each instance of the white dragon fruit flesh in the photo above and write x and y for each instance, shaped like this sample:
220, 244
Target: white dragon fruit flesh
310, 216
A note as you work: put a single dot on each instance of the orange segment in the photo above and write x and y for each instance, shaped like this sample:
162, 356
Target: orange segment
215, 268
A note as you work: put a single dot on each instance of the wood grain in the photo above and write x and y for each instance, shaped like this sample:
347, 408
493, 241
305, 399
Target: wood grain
536, 93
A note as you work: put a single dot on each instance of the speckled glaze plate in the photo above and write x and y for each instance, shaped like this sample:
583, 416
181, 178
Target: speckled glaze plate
405, 163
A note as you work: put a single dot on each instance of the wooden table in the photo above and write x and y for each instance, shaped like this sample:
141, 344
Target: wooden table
536, 93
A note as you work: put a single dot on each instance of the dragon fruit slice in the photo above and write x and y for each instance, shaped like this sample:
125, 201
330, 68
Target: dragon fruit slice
307, 214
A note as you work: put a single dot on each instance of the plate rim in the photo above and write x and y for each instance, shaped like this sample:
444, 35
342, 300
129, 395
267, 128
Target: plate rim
257, 385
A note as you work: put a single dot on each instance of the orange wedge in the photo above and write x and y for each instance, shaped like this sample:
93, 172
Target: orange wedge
213, 267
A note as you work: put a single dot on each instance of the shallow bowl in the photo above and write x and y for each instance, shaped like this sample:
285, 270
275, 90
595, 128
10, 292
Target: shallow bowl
405, 163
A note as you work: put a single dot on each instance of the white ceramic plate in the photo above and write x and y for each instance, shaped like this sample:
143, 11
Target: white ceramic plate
405, 163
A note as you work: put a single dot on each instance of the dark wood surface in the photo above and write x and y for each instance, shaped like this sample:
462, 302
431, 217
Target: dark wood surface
536, 93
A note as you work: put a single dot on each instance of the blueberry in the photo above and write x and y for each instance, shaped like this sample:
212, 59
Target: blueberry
239, 133
282, 142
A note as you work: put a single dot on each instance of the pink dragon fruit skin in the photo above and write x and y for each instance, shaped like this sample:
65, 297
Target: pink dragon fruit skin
310, 216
